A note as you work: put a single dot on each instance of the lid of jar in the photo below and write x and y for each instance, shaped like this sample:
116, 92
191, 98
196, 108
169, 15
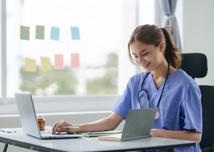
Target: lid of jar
40, 116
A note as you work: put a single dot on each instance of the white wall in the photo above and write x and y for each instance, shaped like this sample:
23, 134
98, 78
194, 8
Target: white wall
198, 33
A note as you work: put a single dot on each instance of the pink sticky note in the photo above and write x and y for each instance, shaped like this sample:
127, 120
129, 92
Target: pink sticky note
58, 61
75, 60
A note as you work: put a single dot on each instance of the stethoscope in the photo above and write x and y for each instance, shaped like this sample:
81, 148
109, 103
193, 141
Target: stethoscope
147, 96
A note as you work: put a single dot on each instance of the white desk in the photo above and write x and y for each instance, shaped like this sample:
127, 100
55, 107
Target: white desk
89, 144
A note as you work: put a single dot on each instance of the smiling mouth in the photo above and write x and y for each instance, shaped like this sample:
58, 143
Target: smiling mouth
145, 66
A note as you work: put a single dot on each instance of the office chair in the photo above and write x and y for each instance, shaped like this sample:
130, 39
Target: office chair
195, 64
207, 142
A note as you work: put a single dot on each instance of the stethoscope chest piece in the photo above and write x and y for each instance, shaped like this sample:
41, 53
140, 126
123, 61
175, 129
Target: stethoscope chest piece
157, 115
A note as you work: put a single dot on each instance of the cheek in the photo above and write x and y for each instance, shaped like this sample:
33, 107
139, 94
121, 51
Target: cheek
151, 57
136, 60
147, 57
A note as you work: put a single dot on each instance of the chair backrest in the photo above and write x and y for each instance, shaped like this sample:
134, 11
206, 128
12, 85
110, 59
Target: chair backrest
194, 64
207, 115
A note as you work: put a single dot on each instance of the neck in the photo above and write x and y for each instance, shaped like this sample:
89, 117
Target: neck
160, 71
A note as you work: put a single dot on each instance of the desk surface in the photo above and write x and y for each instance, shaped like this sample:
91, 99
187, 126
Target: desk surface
88, 144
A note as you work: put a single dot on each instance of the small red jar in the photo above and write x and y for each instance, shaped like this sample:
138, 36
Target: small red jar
41, 121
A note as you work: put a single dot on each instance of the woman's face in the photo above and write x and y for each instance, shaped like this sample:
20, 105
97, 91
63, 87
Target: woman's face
147, 55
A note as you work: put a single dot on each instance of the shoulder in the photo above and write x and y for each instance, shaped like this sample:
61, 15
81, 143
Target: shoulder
181, 78
137, 77
180, 85
136, 80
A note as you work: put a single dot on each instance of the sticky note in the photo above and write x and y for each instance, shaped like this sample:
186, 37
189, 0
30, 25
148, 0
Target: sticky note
40, 32
59, 61
55, 33
30, 65
24, 32
75, 60
46, 63
75, 34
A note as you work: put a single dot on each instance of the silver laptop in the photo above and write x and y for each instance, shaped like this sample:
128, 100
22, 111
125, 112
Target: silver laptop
29, 120
138, 124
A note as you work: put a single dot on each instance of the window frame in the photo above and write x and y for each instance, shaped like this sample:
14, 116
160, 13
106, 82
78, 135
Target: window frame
3, 66
64, 104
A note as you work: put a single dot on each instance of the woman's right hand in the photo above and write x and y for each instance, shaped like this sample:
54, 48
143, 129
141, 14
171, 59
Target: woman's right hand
57, 127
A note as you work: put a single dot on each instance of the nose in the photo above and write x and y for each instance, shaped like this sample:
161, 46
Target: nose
140, 60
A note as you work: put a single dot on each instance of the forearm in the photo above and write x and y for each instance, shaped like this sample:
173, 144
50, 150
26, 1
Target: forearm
99, 125
107, 123
183, 135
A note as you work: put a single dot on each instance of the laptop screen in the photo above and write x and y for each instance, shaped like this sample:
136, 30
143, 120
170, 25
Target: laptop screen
27, 114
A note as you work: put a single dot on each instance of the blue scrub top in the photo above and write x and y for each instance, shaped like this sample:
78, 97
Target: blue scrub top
179, 108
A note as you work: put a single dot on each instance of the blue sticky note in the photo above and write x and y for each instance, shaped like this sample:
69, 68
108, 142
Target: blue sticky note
55, 33
75, 34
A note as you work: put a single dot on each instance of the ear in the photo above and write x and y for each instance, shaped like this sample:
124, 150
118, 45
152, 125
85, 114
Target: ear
161, 46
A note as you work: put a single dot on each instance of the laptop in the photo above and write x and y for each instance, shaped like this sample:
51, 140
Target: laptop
138, 125
29, 120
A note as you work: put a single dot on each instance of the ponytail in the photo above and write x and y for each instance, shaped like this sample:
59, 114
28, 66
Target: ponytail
172, 52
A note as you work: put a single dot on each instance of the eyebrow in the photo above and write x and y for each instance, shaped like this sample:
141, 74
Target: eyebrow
140, 52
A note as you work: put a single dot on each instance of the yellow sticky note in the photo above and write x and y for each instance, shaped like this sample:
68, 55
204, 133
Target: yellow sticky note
30, 64
46, 63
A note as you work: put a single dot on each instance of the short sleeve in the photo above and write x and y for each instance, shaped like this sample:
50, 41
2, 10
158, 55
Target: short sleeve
192, 110
124, 103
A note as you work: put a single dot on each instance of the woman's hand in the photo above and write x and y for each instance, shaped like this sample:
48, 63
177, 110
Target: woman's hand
56, 127
153, 133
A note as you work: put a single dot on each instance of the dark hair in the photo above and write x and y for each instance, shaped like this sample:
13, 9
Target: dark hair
152, 34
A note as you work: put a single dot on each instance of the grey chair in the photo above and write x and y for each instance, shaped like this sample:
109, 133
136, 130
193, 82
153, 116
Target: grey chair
195, 64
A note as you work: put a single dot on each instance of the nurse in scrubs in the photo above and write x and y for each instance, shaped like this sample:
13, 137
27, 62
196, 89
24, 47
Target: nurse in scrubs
163, 83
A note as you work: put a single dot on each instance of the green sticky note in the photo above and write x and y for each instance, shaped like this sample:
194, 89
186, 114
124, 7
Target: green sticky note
24, 32
30, 65
46, 63
40, 32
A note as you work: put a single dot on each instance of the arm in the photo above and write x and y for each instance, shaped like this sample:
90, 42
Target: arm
108, 123
183, 135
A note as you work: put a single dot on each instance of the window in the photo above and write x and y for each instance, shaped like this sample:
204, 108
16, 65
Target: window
105, 27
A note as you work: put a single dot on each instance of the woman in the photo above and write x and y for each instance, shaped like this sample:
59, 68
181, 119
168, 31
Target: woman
169, 88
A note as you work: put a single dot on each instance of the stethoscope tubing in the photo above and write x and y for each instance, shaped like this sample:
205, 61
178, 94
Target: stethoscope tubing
147, 95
